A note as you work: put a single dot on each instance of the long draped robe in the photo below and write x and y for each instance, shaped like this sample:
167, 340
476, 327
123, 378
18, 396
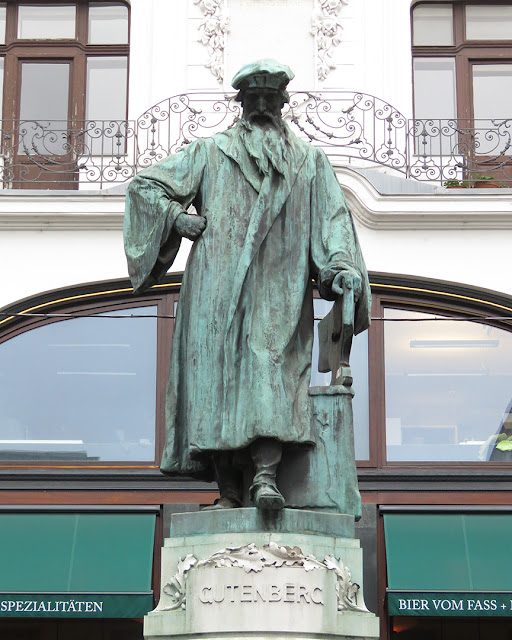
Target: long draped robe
241, 354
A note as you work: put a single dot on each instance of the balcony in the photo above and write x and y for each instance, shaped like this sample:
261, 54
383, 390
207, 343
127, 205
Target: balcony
353, 128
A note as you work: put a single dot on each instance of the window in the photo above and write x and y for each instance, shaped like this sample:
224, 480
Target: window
432, 376
68, 62
463, 78
81, 390
448, 388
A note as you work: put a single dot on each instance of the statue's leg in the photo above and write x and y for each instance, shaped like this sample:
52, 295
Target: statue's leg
266, 456
229, 479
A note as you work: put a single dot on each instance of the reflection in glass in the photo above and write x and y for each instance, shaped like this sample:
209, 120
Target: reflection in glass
448, 386
492, 90
433, 24
2, 61
46, 111
3, 12
106, 88
434, 88
106, 103
492, 97
493, 22
359, 367
80, 390
49, 21
435, 103
108, 23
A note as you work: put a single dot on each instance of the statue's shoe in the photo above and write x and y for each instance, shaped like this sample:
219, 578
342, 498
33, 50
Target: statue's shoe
223, 503
267, 497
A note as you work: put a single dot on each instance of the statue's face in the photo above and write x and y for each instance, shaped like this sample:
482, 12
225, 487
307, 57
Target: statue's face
262, 107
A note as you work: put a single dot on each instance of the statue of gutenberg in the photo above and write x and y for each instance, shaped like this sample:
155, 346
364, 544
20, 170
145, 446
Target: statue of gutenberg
271, 215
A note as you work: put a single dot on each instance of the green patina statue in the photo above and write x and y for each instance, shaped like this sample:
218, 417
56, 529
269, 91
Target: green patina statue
271, 215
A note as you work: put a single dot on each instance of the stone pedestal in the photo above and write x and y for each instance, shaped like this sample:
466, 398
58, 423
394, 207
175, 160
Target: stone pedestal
238, 573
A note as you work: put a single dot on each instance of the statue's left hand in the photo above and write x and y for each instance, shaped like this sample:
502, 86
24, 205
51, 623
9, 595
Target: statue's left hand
351, 279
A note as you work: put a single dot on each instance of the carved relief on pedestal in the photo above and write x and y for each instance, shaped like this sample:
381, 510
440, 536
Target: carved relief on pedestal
212, 34
252, 558
327, 29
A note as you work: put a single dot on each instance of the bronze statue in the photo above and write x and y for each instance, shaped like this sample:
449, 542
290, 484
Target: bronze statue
271, 215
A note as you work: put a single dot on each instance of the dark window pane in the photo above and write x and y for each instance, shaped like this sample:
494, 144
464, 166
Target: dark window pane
44, 113
106, 105
492, 90
37, 101
435, 108
448, 388
3, 11
36, 22
108, 23
106, 88
359, 367
2, 62
434, 88
492, 96
492, 22
433, 24
80, 389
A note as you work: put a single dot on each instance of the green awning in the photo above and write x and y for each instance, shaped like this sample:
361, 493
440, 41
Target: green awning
103, 560
448, 564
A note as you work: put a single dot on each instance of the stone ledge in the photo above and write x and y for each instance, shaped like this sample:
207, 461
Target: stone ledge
251, 520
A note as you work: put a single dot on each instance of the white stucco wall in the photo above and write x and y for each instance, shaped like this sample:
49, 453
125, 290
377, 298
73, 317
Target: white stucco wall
60, 241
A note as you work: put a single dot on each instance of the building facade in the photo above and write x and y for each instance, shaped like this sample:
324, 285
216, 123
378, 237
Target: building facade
410, 100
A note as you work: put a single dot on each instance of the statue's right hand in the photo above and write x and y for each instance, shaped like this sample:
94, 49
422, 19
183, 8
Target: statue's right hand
189, 226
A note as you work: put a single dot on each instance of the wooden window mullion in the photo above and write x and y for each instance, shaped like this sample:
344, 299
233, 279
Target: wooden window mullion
82, 16
11, 24
77, 93
377, 411
459, 23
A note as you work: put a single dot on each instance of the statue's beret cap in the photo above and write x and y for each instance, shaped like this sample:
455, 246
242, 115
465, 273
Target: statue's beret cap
265, 73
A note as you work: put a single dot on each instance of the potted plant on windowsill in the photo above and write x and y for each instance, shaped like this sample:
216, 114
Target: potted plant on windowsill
485, 182
455, 184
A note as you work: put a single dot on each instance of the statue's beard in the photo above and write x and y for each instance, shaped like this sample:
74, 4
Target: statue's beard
267, 146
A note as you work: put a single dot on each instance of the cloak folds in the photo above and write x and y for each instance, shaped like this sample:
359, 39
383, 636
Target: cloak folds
240, 362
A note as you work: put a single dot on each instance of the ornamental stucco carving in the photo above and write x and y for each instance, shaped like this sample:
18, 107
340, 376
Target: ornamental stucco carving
176, 587
253, 558
327, 28
212, 34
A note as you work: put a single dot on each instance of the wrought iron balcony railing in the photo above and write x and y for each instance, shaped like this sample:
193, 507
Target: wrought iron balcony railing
355, 128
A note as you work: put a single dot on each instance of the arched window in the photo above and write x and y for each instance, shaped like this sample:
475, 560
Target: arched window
84, 383
448, 388
440, 379
80, 377
81, 389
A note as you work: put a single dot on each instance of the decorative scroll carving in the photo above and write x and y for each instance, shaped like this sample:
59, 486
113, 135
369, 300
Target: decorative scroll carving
212, 33
253, 558
346, 590
326, 26
176, 588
